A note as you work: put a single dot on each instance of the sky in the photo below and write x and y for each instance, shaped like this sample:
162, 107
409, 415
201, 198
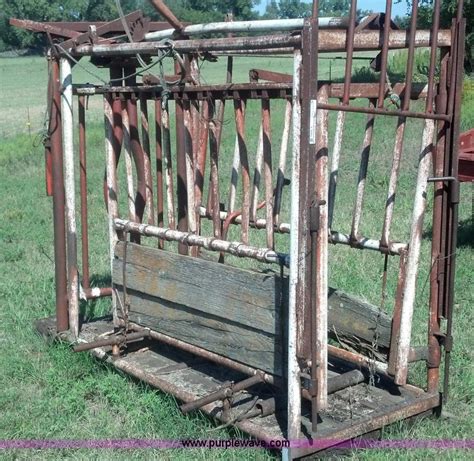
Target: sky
398, 9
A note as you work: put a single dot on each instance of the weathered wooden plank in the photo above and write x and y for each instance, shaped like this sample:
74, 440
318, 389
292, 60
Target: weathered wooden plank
238, 342
239, 295
349, 317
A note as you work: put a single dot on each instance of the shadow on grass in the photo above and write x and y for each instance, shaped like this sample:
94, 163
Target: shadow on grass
99, 307
465, 233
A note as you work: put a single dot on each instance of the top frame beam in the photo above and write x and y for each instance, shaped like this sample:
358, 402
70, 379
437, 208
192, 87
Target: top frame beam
329, 41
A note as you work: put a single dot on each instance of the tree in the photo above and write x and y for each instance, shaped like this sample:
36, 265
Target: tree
334, 7
195, 11
448, 11
200, 11
51, 10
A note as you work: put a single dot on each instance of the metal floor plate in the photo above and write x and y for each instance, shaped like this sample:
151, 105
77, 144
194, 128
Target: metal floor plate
352, 412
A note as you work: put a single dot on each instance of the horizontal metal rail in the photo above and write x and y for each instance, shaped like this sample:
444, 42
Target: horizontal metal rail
265, 255
264, 25
329, 41
252, 90
365, 243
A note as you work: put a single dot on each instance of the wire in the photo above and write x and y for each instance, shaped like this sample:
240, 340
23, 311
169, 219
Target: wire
105, 82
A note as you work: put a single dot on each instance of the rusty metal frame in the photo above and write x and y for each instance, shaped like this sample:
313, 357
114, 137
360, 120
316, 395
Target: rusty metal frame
181, 180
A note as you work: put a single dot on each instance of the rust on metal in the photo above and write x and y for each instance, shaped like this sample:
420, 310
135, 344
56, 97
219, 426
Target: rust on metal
220, 194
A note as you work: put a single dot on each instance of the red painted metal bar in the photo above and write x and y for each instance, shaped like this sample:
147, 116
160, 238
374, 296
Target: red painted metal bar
388, 112
202, 153
239, 107
159, 169
364, 163
139, 159
164, 11
147, 160
400, 133
214, 159
60, 274
384, 53
349, 51
456, 82
433, 52
181, 184
267, 171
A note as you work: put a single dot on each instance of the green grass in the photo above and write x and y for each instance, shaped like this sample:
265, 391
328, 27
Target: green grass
49, 392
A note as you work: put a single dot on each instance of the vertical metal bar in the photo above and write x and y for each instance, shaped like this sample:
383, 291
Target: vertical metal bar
349, 51
159, 170
456, 82
181, 186
228, 79
293, 375
437, 260
116, 72
413, 255
234, 177
396, 317
400, 133
202, 153
282, 162
306, 183
48, 157
335, 158
128, 165
257, 176
139, 158
112, 200
189, 159
364, 163
239, 106
341, 115
147, 161
384, 57
320, 302
165, 123
60, 271
83, 192
433, 50
267, 168
214, 158
69, 187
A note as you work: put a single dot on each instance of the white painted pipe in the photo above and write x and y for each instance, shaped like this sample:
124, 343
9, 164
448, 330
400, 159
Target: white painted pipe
263, 25
69, 189
321, 269
413, 256
112, 203
293, 374
128, 165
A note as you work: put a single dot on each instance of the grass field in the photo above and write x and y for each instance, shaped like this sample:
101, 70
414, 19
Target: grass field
47, 391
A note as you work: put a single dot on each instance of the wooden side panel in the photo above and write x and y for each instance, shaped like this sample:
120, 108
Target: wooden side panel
230, 311
215, 334
239, 295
